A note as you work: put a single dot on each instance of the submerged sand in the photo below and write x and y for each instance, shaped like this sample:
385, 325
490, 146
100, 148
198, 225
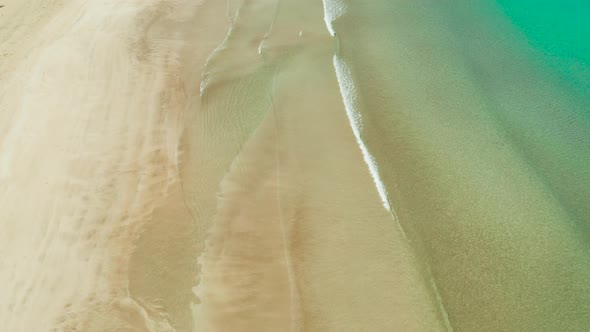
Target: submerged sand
281, 166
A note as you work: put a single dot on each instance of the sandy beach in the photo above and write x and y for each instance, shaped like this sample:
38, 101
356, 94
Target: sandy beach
258, 165
92, 102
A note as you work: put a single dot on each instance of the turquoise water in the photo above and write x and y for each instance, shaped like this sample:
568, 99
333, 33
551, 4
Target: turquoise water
561, 30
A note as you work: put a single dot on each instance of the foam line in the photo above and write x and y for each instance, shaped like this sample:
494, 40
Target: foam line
333, 9
348, 93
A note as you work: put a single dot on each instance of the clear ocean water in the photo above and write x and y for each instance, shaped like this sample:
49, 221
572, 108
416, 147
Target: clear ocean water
477, 114
559, 29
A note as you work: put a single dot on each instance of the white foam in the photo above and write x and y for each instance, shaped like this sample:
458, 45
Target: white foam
332, 10
347, 90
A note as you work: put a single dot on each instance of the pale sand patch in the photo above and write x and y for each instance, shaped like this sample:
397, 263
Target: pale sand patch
91, 120
21, 22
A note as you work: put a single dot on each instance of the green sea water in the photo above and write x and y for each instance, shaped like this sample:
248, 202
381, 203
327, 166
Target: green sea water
560, 30
477, 114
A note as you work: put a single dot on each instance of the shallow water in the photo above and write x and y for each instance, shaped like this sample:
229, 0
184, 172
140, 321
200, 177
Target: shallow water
484, 151
473, 134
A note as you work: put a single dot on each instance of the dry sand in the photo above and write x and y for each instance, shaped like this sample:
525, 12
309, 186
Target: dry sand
91, 120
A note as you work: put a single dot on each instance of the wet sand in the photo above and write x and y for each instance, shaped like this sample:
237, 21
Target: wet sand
283, 165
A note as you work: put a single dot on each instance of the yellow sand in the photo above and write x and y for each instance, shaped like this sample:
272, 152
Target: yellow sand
90, 124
